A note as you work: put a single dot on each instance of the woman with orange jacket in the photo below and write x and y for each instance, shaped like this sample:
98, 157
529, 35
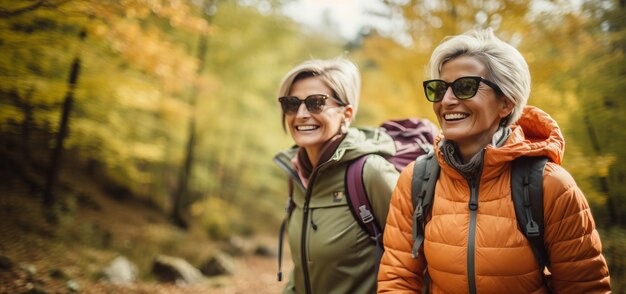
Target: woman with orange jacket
472, 242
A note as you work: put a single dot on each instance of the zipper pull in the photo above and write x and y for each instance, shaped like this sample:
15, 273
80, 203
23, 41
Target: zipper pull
313, 225
473, 203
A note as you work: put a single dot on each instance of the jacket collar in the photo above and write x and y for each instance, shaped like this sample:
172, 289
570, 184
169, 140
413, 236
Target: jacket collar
534, 134
302, 162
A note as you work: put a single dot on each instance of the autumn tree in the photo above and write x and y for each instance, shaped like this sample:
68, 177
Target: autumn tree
600, 82
40, 42
395, 60
143, 78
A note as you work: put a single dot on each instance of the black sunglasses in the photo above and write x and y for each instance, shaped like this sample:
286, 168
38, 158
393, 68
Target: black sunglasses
314, 103
463, 88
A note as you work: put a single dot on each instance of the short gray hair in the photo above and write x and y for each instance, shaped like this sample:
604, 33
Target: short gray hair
339, 74
506, 66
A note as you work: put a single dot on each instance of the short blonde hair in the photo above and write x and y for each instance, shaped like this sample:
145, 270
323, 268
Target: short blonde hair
339, 74
506, 66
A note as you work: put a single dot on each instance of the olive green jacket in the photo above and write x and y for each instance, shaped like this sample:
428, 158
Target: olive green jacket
338, 256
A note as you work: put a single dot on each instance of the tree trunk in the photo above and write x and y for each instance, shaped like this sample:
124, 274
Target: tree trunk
179, 211
604, 186
180, 199
27, 124
55, 159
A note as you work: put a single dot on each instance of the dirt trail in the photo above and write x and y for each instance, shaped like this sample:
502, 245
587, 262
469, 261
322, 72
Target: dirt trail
37, 256
255, 274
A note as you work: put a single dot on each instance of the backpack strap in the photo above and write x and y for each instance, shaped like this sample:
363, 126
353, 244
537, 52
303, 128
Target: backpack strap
425, 175
359, 203
288, 210
527, 194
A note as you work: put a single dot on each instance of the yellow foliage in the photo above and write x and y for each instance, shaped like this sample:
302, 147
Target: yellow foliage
216, 215
147, 151
393, 85
131, 96
10, 114
603, 164
170, 63
585, 170
174, 109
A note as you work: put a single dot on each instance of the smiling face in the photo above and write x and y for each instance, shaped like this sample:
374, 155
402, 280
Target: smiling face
312, 131
470, 123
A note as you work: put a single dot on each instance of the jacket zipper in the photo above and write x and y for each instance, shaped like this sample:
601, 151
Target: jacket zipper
474, 183
471, 246
303, 256
284, 164
305, 226
305, 215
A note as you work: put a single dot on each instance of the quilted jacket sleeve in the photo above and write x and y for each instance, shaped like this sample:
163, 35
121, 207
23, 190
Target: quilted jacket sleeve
571, 238
399, 272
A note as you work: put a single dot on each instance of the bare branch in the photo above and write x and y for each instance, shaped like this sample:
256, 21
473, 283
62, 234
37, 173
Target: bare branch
7, 13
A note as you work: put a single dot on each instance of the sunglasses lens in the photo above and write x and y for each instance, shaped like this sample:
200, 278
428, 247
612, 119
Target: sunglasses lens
435, 90
465, 88
315, 103
290, 104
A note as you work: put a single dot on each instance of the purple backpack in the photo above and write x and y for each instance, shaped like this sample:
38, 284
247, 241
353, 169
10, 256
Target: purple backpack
413, 137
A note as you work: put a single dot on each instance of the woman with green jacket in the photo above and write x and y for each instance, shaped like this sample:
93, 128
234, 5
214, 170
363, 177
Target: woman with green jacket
330, 251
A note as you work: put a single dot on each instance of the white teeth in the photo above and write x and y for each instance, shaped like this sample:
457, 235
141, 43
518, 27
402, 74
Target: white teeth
455, 116
306, 128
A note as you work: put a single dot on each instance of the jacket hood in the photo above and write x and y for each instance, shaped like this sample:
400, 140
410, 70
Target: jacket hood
358, 142
534, 134
363, 141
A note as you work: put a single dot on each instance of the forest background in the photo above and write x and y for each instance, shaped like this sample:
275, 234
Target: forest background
172, 104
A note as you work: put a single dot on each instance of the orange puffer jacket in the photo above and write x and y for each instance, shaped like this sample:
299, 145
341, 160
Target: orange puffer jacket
484, 251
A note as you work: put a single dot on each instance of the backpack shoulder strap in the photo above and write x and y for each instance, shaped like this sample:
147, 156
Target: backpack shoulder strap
360, 205
357, 199
527, 193
425, 175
